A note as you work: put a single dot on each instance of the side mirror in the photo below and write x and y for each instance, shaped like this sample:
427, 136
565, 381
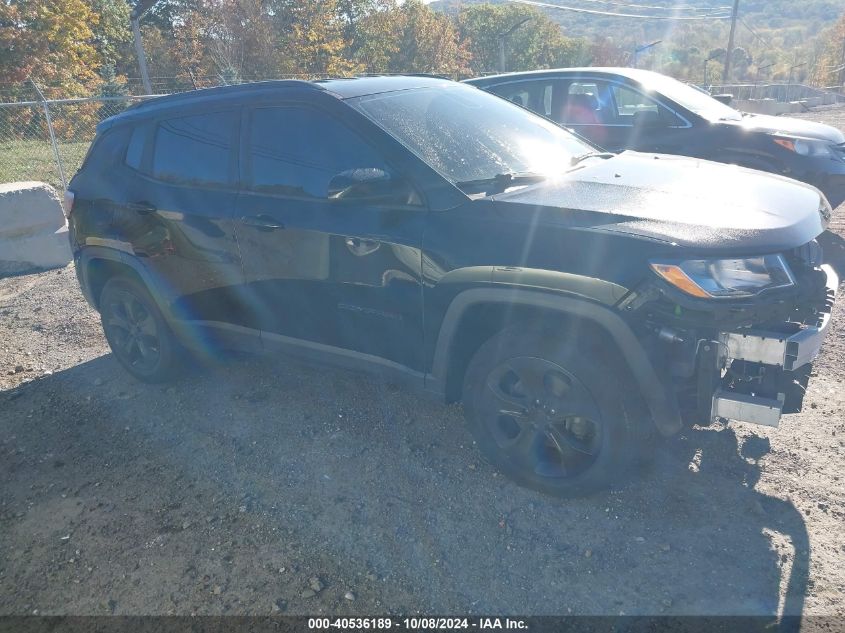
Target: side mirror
724, 98
367, 183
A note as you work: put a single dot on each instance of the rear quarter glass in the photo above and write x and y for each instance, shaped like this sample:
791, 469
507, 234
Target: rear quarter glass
109, 148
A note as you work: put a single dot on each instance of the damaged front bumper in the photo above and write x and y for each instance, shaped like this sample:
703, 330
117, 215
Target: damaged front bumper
763, 372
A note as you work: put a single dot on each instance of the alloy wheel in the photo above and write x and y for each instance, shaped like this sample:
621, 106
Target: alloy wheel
132, 330
542, 417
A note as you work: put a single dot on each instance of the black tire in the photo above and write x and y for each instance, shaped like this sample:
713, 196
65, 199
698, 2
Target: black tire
551, 411
136, 331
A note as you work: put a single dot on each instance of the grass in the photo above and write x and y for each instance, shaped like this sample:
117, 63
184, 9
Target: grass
34, 160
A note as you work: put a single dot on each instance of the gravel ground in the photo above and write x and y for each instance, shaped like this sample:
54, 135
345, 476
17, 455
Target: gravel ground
258, 486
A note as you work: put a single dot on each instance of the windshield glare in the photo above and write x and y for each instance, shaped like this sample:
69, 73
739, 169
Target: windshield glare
690, 98
467, 134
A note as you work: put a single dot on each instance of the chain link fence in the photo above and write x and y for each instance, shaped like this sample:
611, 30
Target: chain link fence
47, 139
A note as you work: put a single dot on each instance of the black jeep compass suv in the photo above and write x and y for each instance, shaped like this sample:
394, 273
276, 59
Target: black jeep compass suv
429, 231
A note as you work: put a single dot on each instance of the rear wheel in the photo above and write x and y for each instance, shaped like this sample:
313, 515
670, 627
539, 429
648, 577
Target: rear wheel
551, 412
136, 331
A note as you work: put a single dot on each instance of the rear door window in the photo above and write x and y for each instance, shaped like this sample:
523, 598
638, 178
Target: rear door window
535, 95
195, 149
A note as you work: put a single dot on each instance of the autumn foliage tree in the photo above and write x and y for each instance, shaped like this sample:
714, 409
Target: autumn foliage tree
537, 43
828, 69
83, 47
428, 42
315, 41
50, 41
213, 41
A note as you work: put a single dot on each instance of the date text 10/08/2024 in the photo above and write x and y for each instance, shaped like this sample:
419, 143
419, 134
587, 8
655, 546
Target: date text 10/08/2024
416, 623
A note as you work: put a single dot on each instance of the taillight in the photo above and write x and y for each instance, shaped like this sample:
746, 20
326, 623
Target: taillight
67, 203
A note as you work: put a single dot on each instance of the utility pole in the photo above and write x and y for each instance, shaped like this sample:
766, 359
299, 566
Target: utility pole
503, 37
141, 7
842, 72
139, 52
730, 51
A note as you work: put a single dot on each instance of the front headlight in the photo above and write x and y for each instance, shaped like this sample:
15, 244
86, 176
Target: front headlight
807, 147
726, 278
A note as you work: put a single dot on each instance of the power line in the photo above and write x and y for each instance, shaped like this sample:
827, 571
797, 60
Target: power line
685, 7
765, 40
535, 3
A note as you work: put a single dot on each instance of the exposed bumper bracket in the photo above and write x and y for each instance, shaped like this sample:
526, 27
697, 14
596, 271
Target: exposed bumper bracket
747, 408
789, 350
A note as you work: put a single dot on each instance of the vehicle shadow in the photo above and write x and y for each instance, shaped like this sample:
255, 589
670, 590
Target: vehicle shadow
727, 466
330, 472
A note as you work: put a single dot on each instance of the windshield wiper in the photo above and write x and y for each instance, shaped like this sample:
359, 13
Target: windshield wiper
500, 182
577, 159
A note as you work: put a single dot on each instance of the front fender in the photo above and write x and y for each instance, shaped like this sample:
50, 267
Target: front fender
656, 393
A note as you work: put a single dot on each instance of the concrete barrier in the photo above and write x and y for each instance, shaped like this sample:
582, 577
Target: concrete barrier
759, 106
33, 229
770, 106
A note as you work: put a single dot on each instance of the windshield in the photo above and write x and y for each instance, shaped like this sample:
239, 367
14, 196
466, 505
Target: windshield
467, 134
690, 98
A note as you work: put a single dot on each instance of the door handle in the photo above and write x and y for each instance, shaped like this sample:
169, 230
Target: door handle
357, 246
144, 208
262, 222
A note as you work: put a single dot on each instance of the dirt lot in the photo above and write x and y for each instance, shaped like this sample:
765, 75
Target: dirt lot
232, 490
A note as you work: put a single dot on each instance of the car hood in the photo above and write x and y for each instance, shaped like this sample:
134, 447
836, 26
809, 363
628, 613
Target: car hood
791, 127
683, 201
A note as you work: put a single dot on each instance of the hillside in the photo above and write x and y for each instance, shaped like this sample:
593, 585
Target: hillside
781, 32
807, 15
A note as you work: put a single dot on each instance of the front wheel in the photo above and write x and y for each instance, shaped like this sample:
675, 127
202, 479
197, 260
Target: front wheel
550, 411
136, 331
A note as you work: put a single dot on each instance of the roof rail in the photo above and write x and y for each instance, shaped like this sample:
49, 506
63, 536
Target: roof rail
245, 88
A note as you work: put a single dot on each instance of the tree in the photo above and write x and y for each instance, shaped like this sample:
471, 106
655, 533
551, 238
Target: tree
606, 52
537, 43
112, 86
313, 38
740, 61
377, 37
112, 36
427, 42
51, 42
353, 15
17, 58
827, 69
